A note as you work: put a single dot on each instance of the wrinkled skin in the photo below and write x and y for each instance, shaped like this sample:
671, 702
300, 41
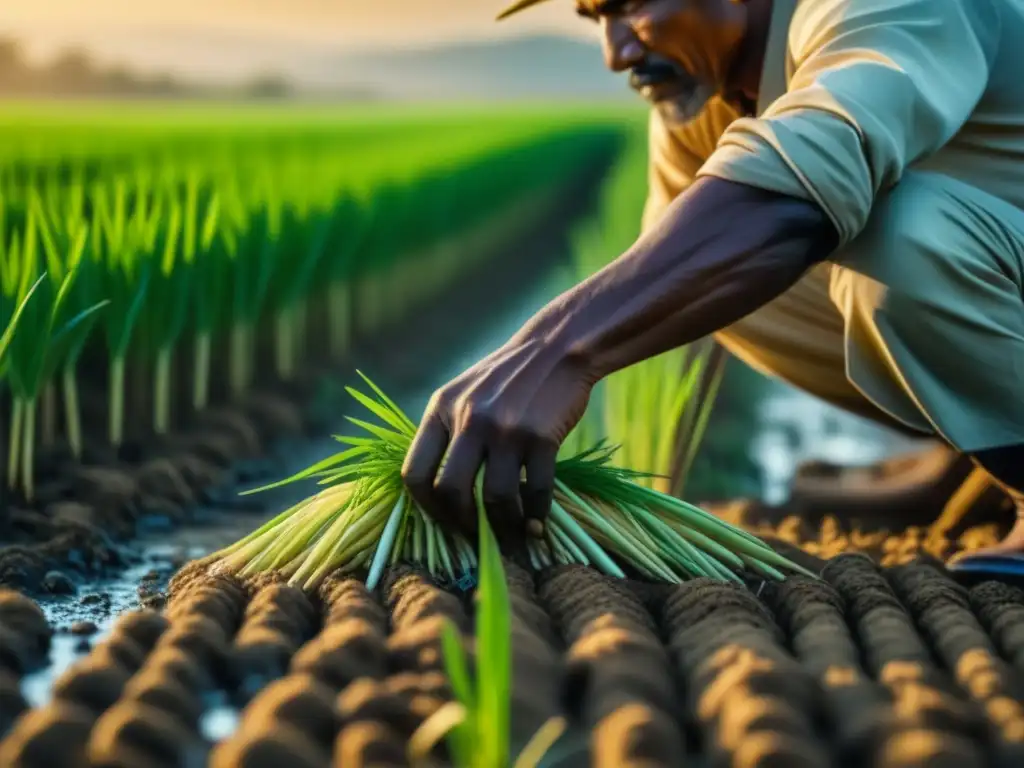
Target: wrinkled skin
511, 411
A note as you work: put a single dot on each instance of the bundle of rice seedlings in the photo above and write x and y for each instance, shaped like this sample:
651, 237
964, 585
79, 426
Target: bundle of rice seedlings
600, 516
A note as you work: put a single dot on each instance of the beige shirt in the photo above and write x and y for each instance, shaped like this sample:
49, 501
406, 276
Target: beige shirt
871, 87
854, 94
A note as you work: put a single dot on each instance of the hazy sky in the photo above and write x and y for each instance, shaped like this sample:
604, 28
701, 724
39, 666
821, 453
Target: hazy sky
345, 21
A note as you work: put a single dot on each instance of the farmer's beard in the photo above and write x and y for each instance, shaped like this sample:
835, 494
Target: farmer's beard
677, 95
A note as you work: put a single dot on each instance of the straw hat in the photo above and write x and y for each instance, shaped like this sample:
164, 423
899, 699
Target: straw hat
517, 6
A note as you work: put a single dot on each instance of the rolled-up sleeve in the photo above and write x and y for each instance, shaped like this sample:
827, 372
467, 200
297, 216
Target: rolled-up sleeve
876, 85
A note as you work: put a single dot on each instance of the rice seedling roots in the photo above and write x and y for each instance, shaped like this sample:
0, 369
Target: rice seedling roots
869, 666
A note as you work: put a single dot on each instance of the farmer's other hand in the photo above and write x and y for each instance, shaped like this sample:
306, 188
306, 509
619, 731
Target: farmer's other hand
512, 410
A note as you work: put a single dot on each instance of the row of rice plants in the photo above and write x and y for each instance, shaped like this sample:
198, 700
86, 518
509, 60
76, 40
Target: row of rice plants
656, 411
143, 264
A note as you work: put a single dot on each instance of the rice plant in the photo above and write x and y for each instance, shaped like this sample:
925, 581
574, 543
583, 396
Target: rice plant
365, 519
42, 325
476, 724
16, 297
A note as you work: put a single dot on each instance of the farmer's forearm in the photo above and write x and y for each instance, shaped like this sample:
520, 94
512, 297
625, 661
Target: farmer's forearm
721, 251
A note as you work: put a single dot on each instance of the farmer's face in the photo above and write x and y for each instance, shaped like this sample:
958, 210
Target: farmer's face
677, 52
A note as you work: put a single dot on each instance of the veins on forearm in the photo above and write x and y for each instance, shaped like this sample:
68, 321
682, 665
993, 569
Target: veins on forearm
721, 251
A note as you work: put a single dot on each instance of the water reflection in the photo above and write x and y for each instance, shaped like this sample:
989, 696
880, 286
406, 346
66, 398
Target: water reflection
795, 427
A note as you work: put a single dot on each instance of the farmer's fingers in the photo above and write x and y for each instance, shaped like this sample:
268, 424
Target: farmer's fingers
454, 487
501, 491
423, 460
539, 488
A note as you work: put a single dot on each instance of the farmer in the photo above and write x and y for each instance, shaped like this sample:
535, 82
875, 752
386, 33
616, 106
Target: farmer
837, 194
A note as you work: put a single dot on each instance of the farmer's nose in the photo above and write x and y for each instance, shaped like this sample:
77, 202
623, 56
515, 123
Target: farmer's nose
622, 48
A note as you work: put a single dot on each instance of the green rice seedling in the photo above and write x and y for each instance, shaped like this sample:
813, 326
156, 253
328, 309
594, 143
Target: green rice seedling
252, 268
658, 412
212, 280
15, 299
476, 725
171, 290
124, 232
601, 516
707, 364
304, 240
66, 237
43, 326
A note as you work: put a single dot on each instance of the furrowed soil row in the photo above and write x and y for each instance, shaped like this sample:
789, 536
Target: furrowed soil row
1000, 609
619, 682
869, 666
750, 700
942, 612
927, 718
25, 638
812, 614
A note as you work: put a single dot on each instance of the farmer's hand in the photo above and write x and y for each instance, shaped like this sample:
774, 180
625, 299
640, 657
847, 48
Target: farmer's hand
511, 410
690, 275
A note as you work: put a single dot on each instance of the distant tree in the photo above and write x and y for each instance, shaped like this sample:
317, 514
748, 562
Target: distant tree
119, 81
268, 87
14, 73
72, 72
11, 56
164, 85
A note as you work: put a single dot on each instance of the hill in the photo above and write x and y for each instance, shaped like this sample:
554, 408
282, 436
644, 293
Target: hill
540, 66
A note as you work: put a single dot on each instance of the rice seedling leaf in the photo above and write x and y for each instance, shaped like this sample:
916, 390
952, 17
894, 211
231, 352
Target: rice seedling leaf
456, 666
12, 325
382, 412
493, 644
320, 466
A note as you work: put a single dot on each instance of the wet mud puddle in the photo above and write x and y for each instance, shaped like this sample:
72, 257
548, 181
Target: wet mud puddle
86, 618
795, 427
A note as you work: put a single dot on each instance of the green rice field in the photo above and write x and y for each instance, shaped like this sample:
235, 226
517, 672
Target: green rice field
144, 242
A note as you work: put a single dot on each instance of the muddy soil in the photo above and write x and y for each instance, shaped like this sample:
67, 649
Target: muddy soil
873, 533
868, 666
